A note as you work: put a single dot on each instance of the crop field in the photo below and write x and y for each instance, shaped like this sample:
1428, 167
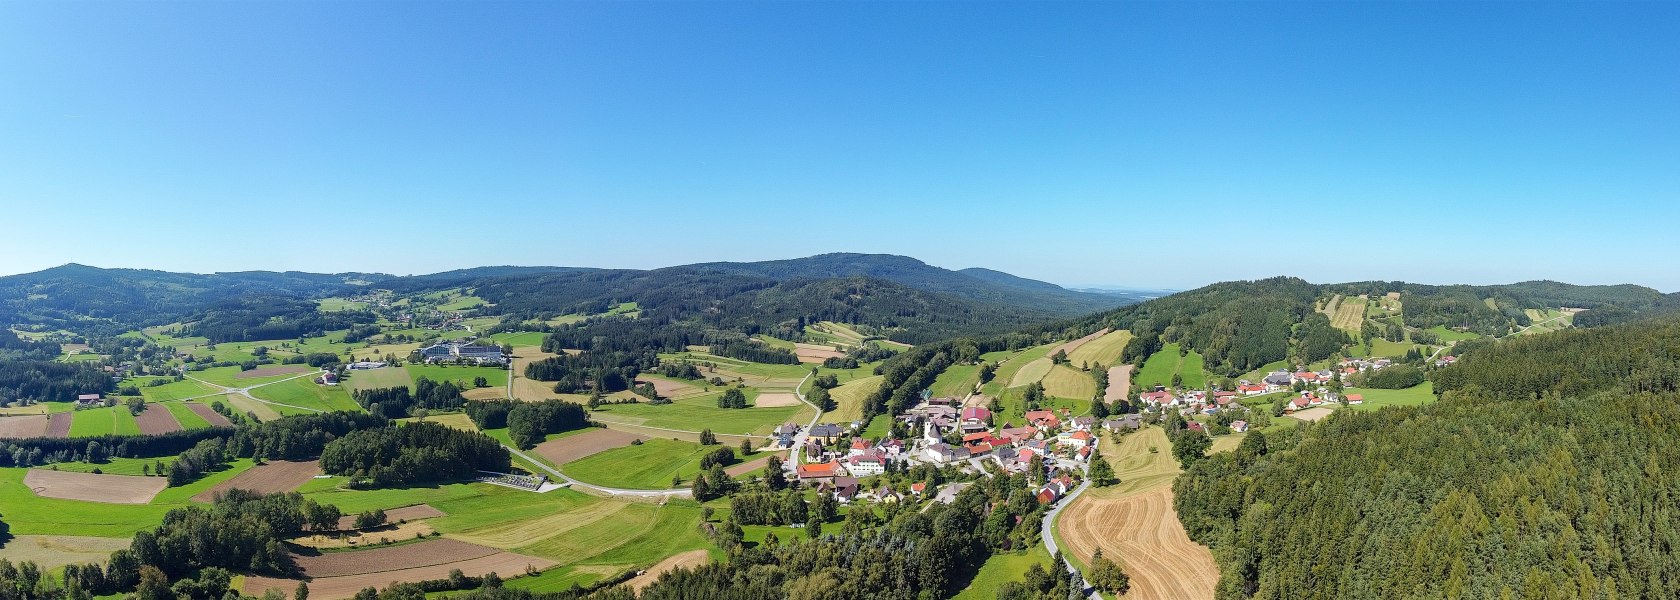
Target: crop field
33, 409
58, 425
155, 420
304, 392
91, 487
816, 354
646, 466
275, 476
567, 448
1162, 365
669, 388
23, 426
1105, 349
1119, 383
1135, 524
529, 390
1347, 313
1068, 382
850, 396
207, 413
183, 414
54, 551
957, 381
829, 332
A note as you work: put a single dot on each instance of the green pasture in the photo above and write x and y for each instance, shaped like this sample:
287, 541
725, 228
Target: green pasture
647, 466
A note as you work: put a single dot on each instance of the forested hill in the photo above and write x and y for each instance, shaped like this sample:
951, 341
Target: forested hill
750, 304
1547, 470
982, 285
83, 298
1239, 326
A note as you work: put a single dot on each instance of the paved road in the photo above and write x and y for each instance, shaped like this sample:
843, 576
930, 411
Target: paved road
246, 391
799, 438
1047, 533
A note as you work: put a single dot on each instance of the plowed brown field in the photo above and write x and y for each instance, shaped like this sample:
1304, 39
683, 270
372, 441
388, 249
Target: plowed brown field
26, 426
275, 476
155, 420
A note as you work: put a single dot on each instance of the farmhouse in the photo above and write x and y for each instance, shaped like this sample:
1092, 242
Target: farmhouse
1239, 426
1355, 399
1279, 378
1043, 419
974, 419
1126, 423
89, 401
820, 472
1161, 397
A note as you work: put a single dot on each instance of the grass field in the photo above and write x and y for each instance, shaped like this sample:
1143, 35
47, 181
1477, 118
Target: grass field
1001, 568
369, 379
174, 390
460, 375
647, 466
849, 397
1068, 382
104, 421
1105, 350
1032, 371
304, 392
339, 304
957, 381
1010, 366
1374, 398
1161, 367
28, 514
1450, 335
694, 413
518, 338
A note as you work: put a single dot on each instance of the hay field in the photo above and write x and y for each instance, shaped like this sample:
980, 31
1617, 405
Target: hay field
1134, 523
1072, 346
524, 388
1105, 349
1067, 382
1119, 382
54, 551
1347, 313
849, 397
1034, 370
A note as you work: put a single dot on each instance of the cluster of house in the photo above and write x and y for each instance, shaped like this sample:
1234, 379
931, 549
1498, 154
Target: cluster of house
460, 352
1446, 360
954, 434
1209, 402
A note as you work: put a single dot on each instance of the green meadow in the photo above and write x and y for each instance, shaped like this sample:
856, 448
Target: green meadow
647, 466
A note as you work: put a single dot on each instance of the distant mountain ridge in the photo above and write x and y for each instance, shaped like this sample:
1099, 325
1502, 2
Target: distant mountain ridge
80, 297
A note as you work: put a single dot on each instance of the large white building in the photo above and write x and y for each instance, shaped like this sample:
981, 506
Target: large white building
453, 351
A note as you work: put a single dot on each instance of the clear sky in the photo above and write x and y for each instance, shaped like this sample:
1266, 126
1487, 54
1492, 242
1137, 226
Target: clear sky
1152, 145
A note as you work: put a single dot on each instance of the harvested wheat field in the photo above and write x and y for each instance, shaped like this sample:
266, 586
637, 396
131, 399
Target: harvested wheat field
752, 465
1073, 345
667, 388
1134, 522
58, 425
111, 489
275, 476
272, 371
54, 551
775, 399
812, 353
1143, 532
572, 447
690, 559
524, 388
391, 558
393, 515
215, 418
155, 420
1119, 381
24, 426
1311, 414
485, 393
380, 572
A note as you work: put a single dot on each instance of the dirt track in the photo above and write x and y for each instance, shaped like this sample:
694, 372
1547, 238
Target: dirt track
576, 446
276, 476
155, 420
1143, 532
111, 489
26, 426
215, 418
58, 425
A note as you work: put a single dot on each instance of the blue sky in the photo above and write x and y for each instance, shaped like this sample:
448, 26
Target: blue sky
1152, 145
